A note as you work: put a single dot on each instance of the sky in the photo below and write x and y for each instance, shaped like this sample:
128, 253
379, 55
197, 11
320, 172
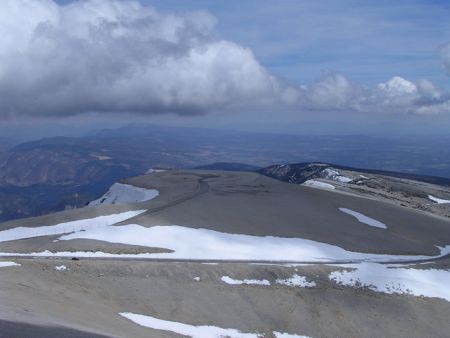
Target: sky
371, 67
368, 41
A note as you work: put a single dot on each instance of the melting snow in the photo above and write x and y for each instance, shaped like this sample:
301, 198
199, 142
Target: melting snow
438, 200
205, 244
232, 281
151, 170
296, 280
124, 193
318, 184
287, 335
67, 227
333, 174
364, 219
193, 331
6, 264
342, 179
388, 279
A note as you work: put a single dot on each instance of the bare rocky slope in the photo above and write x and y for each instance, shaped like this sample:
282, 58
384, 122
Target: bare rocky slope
408, 190
258, 296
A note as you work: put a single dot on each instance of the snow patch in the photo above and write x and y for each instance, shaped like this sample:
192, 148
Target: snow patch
209, 244
333, 174
393, 280
193, 331
6, 264
124, 193
151, 170
438, 200
343, 179
232, 281
318, 184
296, 280
364, 219
287, 335
67, 227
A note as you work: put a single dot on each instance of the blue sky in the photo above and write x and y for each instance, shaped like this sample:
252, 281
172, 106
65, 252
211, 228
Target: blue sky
367, 41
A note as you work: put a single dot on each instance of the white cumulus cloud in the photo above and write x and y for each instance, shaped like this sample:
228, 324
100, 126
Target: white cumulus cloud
395, 96
108, 55
122, 56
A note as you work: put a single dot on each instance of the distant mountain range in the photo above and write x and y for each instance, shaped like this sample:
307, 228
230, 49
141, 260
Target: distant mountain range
56, 173
426, 193
225, 166
301, 172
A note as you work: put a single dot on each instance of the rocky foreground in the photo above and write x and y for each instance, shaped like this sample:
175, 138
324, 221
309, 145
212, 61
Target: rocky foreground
227, 254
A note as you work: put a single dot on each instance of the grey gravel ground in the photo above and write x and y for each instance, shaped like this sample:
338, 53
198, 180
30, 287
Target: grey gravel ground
399, 191
251, 204
21, 330
89, 295
47, 243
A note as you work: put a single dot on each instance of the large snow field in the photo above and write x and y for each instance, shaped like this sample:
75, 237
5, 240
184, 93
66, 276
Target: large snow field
67, 227
202, 244
120, 193
395, 280
363, 218
196, 244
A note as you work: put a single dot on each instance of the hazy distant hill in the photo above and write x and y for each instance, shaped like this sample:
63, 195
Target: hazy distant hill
68, 172
226, 166
426, 193
301, 172
6, 143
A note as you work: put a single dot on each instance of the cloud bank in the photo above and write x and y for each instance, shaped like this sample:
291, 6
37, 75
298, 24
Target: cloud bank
121, 56
396, 96
107, 55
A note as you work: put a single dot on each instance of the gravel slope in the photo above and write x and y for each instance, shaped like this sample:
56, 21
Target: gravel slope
89, 294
